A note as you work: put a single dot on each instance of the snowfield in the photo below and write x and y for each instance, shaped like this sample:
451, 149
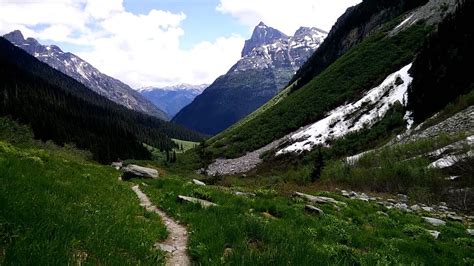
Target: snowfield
354, 116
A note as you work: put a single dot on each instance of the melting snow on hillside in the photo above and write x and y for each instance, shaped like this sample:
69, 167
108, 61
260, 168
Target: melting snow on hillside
354, 116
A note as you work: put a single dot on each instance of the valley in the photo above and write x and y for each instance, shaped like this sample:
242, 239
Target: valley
348, 147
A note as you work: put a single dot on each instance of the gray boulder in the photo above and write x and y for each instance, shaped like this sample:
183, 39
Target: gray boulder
434, 221
203, 203
312, 209
132, 170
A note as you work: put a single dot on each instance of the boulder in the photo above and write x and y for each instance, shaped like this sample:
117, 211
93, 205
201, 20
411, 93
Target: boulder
133, 170
203, 203
434, 221
470, 232
312, 209
318, 199
434, 233
117, 165
244, 194
455, 218
199, 183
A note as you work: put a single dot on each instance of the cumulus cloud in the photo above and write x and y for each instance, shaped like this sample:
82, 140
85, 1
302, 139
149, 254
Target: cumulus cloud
141, 50
286, 16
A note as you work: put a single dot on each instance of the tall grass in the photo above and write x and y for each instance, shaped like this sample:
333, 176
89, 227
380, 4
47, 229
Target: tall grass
59, 208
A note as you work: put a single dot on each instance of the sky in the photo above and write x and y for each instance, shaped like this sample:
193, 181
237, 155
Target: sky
161, 42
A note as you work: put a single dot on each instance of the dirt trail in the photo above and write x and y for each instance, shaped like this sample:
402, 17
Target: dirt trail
177, 239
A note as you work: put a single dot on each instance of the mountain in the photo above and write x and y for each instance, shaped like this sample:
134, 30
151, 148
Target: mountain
85, 73
173, 98
59, 108
344, 77
269, 60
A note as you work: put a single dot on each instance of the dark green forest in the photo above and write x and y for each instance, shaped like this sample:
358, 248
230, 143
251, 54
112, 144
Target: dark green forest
61, 109
443, 69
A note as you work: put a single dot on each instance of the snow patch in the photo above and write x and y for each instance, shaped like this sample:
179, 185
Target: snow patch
354, 116
404, 22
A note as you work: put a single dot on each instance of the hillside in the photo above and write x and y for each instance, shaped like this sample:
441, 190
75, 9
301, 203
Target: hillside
361, 68
269, 60
74, 211
61, 109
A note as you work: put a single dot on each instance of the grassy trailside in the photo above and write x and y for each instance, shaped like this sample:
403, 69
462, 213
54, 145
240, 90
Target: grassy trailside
57, 208
272, 229
361, 68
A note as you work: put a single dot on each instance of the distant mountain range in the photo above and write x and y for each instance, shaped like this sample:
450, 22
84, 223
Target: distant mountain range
173, 98
85, 73
269, 60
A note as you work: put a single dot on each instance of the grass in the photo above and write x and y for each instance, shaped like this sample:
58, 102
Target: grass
57, 207
186, 145
361, 68
399, 169
274, 229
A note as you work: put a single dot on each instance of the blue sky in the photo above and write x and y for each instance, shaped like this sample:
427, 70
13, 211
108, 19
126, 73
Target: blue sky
161, 42
203, 22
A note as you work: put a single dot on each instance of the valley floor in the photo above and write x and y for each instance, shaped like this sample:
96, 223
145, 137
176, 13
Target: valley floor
60, 208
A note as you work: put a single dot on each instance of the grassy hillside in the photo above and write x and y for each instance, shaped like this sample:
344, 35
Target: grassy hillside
361, 68
57, 207
275, 229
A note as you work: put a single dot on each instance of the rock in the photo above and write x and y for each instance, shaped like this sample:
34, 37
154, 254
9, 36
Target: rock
415, 207
227, 253
313, 209
117, 165
403, 197
401, 206
199, 183
245, 194
201, 171
268, 215
133, 170
455, 218
392, 201
382, 213
319, 199
434, 233
427, 209
165, 248
434, 221
203, 203
345, 193
470, 231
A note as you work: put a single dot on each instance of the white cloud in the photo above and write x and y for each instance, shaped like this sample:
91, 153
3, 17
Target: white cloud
286, 16
141, 50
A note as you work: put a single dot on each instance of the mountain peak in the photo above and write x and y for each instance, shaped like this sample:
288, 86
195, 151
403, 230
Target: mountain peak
262, 34
15, 36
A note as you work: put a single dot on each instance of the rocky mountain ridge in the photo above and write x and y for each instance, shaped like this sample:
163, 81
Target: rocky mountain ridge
85, 73
269, 60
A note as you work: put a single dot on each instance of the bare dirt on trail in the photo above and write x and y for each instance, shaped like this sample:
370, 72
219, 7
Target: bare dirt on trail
177, 239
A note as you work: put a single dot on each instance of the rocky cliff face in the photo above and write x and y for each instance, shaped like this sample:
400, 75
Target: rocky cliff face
269, 60
85, 73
